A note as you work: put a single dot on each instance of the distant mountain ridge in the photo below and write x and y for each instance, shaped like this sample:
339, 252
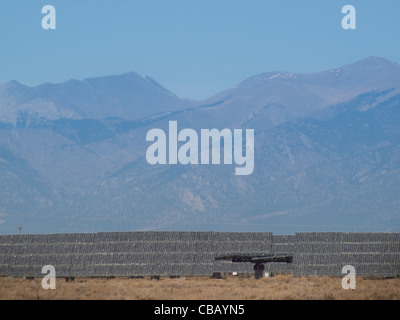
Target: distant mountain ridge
327, 154
128, 96
280, 96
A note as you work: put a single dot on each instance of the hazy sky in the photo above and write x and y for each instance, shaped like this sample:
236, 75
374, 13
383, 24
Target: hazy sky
194, 48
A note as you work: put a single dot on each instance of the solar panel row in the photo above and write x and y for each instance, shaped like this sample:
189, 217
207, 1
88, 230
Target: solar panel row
192, 253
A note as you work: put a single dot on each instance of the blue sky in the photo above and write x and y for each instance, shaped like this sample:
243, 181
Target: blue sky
193, 48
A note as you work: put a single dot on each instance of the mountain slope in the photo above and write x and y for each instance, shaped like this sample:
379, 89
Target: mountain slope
128, 96
271, 98
327, 155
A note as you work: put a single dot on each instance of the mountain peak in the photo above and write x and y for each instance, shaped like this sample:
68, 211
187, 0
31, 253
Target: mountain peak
129, 96
13, 84
374, 62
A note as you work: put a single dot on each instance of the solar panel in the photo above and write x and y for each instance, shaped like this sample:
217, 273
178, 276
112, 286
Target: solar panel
193, 253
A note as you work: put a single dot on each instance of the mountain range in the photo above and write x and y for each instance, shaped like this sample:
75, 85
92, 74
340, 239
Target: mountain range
327, 154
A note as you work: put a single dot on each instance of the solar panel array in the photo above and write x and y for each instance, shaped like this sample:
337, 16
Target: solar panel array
193, 253
127, 253
326, 253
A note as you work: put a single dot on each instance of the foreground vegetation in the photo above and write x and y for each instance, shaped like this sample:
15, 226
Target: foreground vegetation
282, 287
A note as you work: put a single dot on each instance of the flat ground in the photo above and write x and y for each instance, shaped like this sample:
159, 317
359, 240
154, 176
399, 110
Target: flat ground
282, 287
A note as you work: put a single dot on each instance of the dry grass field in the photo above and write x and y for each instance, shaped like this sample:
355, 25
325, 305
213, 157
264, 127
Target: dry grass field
281, 287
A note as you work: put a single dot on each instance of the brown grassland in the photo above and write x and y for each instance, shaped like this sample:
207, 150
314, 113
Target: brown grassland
280, 287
